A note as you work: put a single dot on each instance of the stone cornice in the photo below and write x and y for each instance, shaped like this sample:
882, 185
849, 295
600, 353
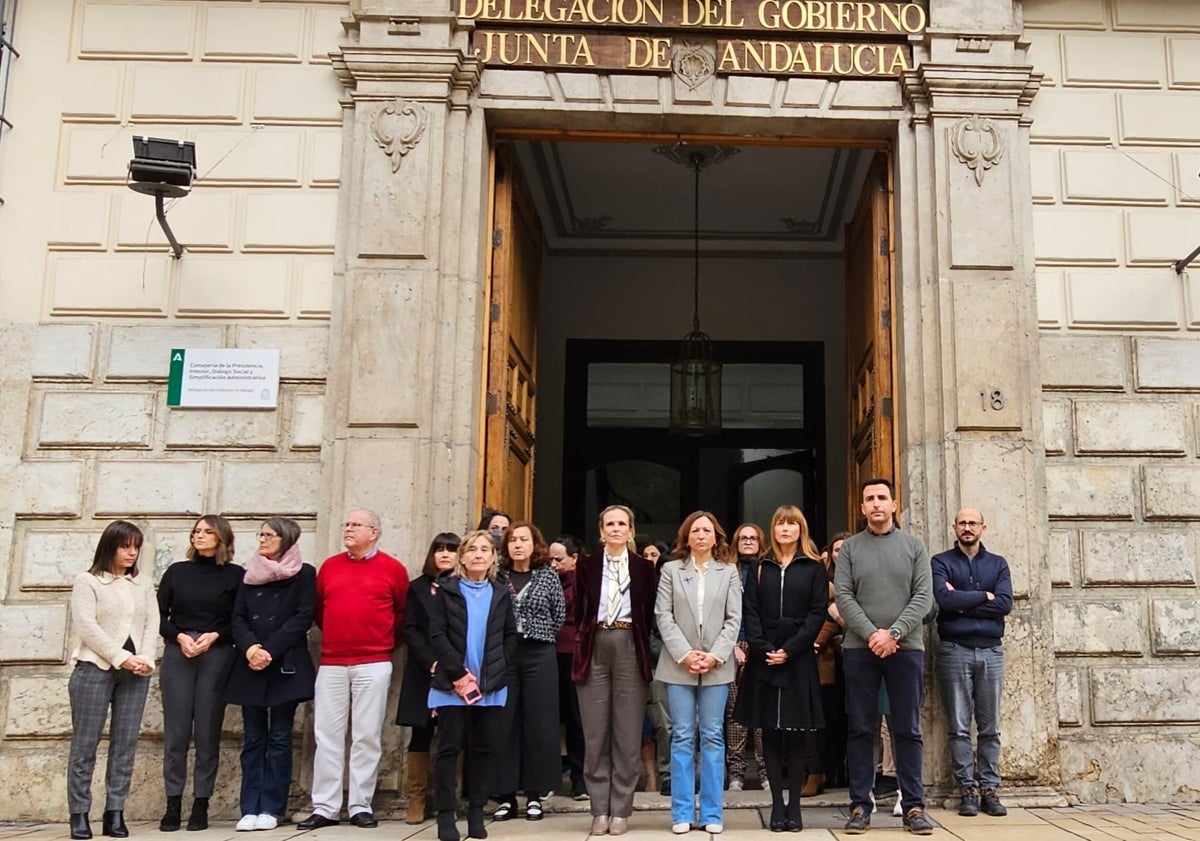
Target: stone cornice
420, 74
959, 89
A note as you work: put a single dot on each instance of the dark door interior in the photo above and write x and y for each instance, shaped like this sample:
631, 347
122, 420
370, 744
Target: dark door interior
618, 448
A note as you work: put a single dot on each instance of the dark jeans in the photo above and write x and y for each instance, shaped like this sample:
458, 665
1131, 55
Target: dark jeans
903, 674
267, 758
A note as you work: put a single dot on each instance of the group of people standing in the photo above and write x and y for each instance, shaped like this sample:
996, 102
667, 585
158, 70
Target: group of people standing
505, 635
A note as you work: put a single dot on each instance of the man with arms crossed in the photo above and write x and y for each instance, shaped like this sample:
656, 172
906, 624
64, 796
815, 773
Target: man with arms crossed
974, 592
883, 590
360, 610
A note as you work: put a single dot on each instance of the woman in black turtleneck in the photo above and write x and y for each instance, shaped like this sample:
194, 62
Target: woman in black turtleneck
195, 606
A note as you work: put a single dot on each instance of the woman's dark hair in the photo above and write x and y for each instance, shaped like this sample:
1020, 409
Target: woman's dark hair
664, 553
541, 551
288, 531
444, 540
827, 552
720, 550
117, 535
570, 542
485, 522
224, 538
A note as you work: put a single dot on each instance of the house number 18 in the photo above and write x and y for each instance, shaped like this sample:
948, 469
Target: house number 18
992, 399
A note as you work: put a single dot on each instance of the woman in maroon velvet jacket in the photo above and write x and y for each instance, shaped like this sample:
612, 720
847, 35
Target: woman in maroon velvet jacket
611, 667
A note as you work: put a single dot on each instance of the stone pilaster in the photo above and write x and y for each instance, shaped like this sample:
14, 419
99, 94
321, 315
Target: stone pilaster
406, 346
969, 371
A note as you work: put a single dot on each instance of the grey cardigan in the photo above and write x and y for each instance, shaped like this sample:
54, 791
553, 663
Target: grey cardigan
678, 612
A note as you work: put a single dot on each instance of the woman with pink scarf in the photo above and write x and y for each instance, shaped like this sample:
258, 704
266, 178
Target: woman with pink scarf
273, 672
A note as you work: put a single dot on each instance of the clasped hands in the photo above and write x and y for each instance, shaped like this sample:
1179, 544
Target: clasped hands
196, 647
258, 657
464, 683
881, 643
137, 664
699, 662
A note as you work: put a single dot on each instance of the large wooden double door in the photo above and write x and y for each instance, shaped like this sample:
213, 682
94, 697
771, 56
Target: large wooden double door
510, 402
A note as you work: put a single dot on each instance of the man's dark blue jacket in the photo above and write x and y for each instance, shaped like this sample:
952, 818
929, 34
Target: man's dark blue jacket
966, 617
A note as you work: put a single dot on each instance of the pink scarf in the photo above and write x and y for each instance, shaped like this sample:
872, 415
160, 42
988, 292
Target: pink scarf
262, 570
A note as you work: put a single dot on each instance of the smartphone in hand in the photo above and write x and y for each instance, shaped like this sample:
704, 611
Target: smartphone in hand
471, 693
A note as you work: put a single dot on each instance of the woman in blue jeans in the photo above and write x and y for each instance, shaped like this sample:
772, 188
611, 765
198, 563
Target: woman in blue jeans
273, 672
699, 612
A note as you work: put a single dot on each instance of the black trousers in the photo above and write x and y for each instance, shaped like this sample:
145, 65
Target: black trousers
568, 716
474, 730
193, 711
527, 755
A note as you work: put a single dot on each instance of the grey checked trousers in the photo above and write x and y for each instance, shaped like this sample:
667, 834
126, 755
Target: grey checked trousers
93, 691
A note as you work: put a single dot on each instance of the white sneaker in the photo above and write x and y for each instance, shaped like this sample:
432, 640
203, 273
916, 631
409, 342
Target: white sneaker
681, 828
736, 785
714, 828
897, 810
248, 823
266, 822
766, 785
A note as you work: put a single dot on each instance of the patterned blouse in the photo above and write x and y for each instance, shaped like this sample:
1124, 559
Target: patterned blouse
540, 606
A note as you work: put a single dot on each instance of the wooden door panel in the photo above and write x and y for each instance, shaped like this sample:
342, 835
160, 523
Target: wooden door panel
512, 343
869, 338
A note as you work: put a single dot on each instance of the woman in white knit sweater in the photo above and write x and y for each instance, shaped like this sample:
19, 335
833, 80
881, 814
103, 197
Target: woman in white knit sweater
116, 618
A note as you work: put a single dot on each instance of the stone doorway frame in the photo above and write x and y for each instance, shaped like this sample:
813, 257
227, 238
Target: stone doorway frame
411, 250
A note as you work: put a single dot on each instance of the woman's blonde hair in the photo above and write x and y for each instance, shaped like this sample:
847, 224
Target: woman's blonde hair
631, 543
460, 569
805, 545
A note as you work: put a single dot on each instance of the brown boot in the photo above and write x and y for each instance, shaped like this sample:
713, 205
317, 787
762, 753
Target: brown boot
650, 764
814, 784
418, 780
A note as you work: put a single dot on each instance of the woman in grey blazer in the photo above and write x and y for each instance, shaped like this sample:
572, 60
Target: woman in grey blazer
699, 612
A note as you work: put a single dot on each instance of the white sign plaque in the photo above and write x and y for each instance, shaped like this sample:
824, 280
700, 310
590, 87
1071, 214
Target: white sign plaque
230, 378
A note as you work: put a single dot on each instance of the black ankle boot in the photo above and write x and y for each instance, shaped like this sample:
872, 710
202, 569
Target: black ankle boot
447, 829
475, 825
80, 828
198, 819
172, 817
113, 824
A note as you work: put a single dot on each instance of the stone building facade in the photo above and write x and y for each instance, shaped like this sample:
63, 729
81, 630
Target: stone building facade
1041, 270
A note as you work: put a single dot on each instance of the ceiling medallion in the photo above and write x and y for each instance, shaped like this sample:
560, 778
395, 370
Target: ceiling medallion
976, 143
398, 127
693, 64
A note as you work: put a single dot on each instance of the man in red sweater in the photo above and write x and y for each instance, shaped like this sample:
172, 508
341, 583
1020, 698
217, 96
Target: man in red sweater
360, 610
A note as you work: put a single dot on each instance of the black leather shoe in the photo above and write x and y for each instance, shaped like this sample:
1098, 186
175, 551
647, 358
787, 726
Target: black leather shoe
80, 828
113, 824
364, 820
316, 821
778, 819
665, 788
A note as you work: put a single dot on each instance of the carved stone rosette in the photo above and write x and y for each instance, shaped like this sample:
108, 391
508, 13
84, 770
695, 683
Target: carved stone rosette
976, 143
398, 127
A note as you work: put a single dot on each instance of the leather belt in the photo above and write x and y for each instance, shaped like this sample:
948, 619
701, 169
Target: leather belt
616, 626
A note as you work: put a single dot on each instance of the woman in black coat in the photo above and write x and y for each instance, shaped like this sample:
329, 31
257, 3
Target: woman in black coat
783, 610
418, 667
474, 635
273, 672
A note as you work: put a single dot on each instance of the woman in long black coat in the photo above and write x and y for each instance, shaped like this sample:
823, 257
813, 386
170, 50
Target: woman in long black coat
783, 610
273, 671
418, 668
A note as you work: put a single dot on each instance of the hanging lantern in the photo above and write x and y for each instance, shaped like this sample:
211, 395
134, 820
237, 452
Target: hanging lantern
696, 376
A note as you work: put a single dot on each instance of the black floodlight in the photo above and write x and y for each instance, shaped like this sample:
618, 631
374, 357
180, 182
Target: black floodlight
162, 168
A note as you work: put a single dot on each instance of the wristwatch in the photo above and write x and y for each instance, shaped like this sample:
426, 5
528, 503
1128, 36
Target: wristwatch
895, 634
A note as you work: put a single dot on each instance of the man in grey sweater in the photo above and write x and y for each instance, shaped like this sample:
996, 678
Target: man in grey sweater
884, 588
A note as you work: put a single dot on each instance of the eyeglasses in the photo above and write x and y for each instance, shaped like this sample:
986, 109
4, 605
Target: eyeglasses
748, 539
969, 524
262, 535
349, 526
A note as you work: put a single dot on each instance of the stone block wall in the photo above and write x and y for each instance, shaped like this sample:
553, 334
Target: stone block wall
92, 301
1115, 159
